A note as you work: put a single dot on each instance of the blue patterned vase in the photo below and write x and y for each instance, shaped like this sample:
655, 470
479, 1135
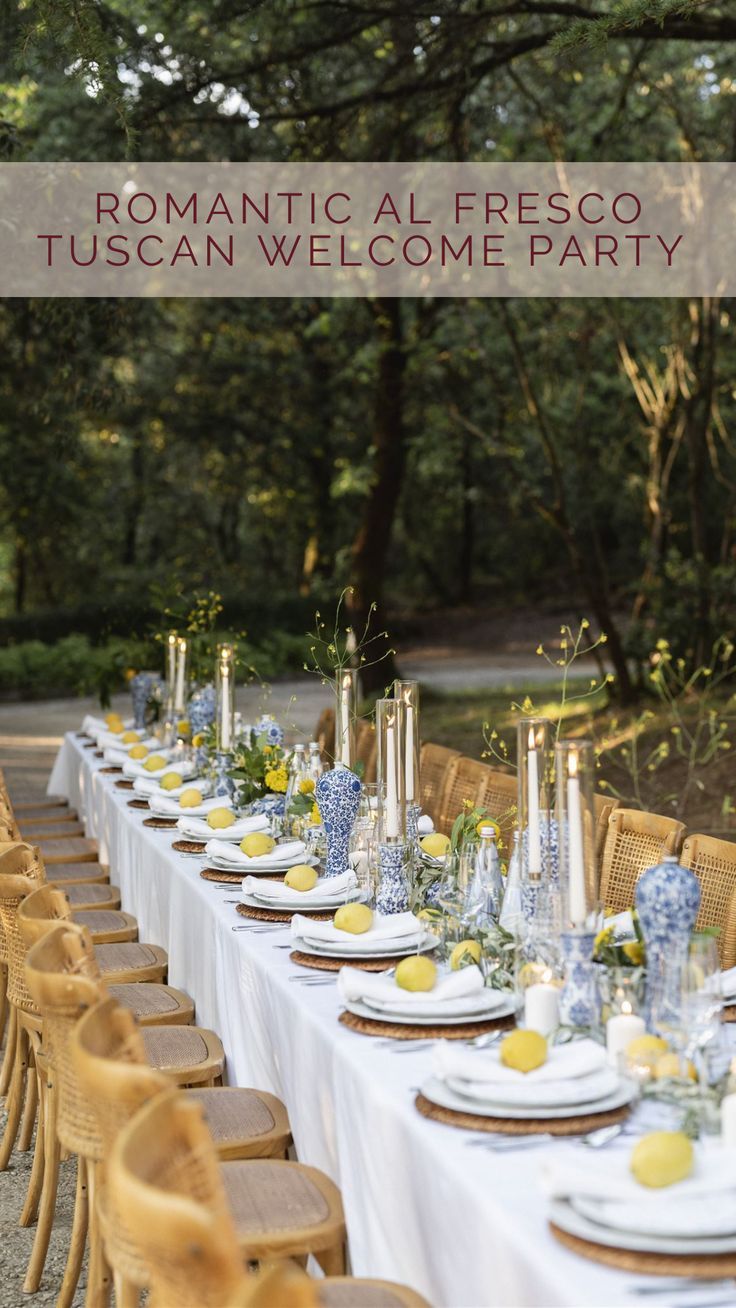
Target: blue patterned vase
579, 1000
392, 895
224, 785
141, 692
202, 709
413, 812
549, 835
667, 901
268, 727
338, 798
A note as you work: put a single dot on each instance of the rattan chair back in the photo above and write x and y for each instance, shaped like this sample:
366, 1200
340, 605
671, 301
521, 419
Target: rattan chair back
18, 858
112, 1067
366, 750
13, 890
434, 760
499, 797
325, 735
714, 864
465, 780
60, 977
634, 842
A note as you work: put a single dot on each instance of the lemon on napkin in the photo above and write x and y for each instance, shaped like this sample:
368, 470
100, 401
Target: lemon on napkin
219, 818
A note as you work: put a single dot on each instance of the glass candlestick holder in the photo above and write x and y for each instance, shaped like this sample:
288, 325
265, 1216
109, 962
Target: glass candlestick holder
346, 712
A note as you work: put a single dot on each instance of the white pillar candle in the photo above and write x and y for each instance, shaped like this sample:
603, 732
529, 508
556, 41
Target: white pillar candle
576, 864
620, 1031
728, 1121
345, 716
409, 760
180, 668
392, 805
542, 1008
225, 707
534, 838
171, 645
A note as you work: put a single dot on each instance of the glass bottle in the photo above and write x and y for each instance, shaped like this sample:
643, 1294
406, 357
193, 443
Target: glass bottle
298, 770
484, 895
315, 764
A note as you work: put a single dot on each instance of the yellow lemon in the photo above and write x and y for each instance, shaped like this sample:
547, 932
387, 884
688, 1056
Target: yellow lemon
129, 737
435, 845
646, 1050
182, 727
301, 877
138, 751
154, 763
190, 798
662, 1158
416, 973
198, 739
355, 918
172, 781
116, 728
111, 718
467, 951
219, 818
670, 1065
257, 844
523, 1050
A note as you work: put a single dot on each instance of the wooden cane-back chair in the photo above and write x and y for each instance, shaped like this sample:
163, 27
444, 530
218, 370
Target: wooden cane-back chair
603, 808
120, 961
499, 796
634, 842
325, 736
434, 761
115, 1071
163, 1170
366, 749
714, 864
465, 780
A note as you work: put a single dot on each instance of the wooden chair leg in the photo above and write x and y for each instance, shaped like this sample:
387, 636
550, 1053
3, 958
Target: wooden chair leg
9, 1058
332, 1261
47, 1208
98, 1272
126, 1295
78, 1239
15, 1099
35, 1183
30, 1107
3, 1000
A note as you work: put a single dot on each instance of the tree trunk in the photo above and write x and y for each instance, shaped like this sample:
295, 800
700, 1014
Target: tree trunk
20, 575
371, 544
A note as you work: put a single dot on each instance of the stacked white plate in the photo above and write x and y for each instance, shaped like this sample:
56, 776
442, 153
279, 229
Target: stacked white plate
275, 895
401, 933
232, 860
575, 1081
694, 1216
456, 998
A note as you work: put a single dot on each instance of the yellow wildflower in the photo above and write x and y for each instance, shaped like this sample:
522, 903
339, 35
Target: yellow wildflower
315, 817
604, 938
634, 951
306, 786
277, 779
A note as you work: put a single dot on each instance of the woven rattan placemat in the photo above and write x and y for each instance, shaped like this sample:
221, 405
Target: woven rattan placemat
137, 803
402, 1031
324, 963
159, 823
729, 1013
188, 846
709, 1266
232, 878
107, 772
274, 915
124, 785
513, 1126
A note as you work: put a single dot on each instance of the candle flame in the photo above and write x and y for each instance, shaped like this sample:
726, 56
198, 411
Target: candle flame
182, 645
626, 1008
572, 764
532, 742
172, 638
346, 681
546, 976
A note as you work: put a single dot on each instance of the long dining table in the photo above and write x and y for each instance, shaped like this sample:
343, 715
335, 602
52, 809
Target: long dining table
424, 1205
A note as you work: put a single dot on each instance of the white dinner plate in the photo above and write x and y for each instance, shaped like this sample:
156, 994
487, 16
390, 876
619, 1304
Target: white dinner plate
256, 867
440, 1093
327, 950
255, 900
578, 1090
417, 1019
485, 1002
703, 1217
563, 1215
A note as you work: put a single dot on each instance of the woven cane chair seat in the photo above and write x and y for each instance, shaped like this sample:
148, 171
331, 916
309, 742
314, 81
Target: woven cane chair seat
37, 831
51, 814
352, 1292
184, 1053
244, 1123
90, 894
91, 873
51, 803
275, 1204
714, 864
634, 842
153, 1004
434, 760
107, 924
131, 962
75, 850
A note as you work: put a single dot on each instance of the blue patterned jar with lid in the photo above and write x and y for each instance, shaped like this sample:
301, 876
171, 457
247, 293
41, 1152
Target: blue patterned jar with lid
667, 901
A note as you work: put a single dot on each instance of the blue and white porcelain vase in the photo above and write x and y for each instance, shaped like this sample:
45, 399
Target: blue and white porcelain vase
202, 709
338, 798
392, 895
269, 729
579, 999
224, 785
549, 835
413, 813
142, 686
667, 901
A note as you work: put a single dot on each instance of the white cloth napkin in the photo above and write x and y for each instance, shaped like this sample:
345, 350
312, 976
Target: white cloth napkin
356, 985
326, 887
108, 740
166, 802
132, 768
701, 1216
728, 983
199, 828
149, 785
291, 851
566, 1177
116, 757
541, 1094
580, 1058
395, 926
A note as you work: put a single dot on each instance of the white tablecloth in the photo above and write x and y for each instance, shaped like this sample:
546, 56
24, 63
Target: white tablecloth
461, 1225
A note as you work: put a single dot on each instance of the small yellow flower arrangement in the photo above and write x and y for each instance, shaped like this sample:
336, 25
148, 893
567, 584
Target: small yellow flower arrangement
306, 786
277, 780
315, 817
